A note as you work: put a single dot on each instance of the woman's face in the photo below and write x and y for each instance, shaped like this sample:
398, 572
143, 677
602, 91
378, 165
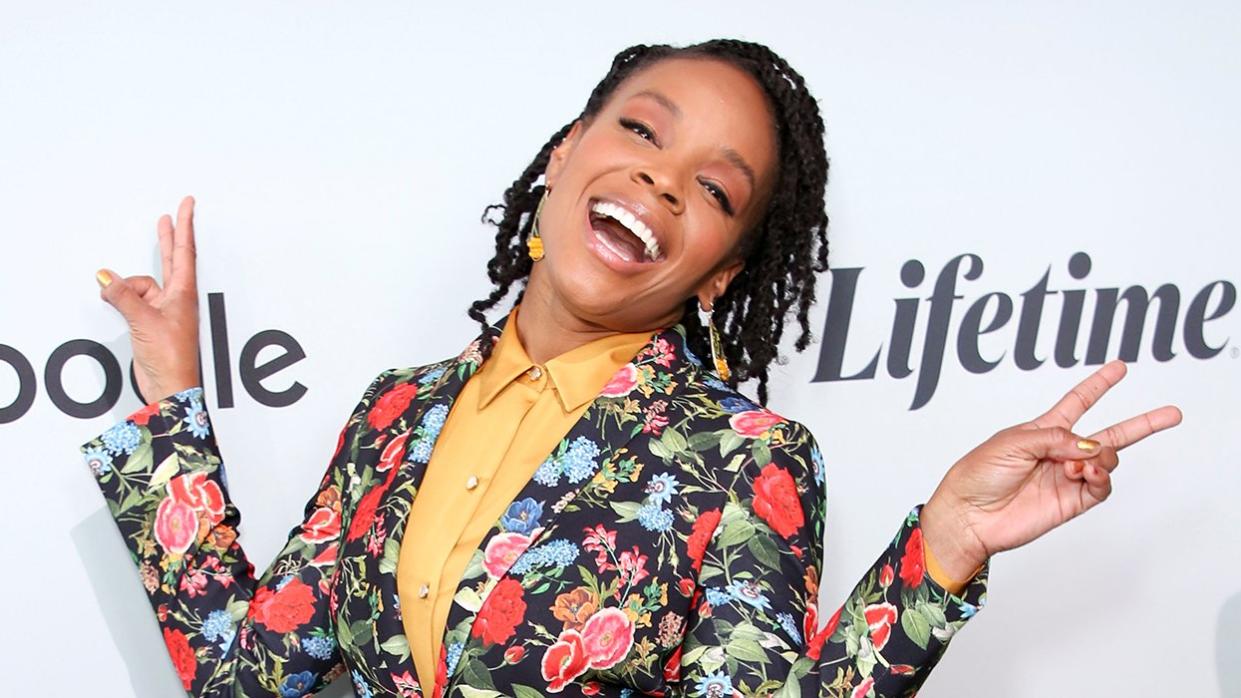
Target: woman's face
650, 198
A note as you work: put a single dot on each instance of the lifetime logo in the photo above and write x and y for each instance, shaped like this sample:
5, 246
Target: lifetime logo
250, 371
1212, 302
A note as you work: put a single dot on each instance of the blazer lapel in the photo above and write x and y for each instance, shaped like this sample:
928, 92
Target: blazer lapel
636, 394
522, 539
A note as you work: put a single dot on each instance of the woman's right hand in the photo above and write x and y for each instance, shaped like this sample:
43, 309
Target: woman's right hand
163, 322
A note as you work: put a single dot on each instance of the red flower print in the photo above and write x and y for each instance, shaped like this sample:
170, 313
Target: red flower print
364, 514
202, 494
391, 404
143, 415
406, 685
912, 564
863, 688
182, 656
886, 576
323, 525
776, 501
754, 423
176, 525
392, 452
672, 667
814, 637
622, 382
286, 609
632, 568
704, 528
879, 618
601, 542
564, 661
514, 654
441, 673
607, 638
502, 551
501, 613
591, 688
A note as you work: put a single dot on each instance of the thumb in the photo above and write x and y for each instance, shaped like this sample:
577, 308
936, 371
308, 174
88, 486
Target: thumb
1058, 443
120, 295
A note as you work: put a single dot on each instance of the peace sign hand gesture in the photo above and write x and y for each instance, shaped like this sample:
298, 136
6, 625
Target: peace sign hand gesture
163, 322
1031, 478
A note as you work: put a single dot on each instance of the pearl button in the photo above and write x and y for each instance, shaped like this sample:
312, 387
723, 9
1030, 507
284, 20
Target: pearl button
423, 591
471, 483
536, 373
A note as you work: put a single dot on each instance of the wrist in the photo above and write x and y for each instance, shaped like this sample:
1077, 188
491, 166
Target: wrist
947, 535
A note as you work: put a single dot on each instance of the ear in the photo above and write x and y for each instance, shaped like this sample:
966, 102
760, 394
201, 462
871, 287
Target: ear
560, 154
717, 283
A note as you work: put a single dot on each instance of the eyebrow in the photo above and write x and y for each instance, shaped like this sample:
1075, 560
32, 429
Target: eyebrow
732, 156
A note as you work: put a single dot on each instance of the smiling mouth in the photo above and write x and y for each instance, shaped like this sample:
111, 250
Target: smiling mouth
624, 233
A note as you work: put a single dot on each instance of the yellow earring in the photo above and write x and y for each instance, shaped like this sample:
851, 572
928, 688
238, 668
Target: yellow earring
707, 317
534, 243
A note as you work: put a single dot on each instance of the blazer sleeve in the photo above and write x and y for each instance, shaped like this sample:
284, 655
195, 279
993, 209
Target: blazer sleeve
228, 631
755, 626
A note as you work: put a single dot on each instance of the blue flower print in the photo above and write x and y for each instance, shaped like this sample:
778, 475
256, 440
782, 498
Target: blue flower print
297, 685
433, 421
548, 473
820, 468
522, 516
319, 647
431, 376
99, 460
196, 420
218, 624
122, 438
717, 596
420, 451
359, 685
712, 382
558, 553
717, 685
733, 405
579, 462
453, 655
748, 592
654, 518
194, 394
661, 488
789, 623
967, 609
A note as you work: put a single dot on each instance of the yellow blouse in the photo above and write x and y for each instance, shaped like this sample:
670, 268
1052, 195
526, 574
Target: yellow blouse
506, 419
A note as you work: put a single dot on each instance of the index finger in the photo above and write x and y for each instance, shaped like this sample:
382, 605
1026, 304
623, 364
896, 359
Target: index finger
183, 245
1082, 397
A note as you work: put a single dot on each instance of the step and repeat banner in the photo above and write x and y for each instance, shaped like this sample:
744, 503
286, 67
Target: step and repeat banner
1018, 193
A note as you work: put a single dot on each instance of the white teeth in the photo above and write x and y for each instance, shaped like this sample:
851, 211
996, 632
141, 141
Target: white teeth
632, 222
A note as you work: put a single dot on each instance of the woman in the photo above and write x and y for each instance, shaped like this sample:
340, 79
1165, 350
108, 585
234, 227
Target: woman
575, 504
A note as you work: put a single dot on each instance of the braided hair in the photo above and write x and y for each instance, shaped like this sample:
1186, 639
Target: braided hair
782, 252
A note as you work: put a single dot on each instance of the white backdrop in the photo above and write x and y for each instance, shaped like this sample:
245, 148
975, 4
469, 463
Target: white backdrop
341, 156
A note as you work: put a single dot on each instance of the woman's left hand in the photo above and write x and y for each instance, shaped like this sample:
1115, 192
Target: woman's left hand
1030, 478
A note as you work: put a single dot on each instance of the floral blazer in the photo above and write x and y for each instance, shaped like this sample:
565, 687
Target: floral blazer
671, 545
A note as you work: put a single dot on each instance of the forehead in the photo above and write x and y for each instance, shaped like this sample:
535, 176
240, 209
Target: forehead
723, 103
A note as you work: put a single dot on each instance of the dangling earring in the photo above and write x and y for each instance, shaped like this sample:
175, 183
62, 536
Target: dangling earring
706, 316
534, 243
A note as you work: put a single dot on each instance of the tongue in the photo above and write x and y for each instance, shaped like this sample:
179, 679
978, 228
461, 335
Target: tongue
619, 237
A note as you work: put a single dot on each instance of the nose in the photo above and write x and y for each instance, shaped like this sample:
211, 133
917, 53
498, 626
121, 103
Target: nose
662, 186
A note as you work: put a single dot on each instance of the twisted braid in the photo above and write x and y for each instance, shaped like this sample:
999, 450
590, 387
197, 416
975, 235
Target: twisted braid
782, 252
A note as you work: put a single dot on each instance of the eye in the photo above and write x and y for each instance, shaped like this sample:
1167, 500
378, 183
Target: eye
716, 191
639, 128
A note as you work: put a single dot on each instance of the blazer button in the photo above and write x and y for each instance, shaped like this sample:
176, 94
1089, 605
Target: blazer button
536, 373
471, 483
423, 591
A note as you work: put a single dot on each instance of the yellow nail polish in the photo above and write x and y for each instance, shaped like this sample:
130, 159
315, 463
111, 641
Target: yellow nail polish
1089, 445
103, 278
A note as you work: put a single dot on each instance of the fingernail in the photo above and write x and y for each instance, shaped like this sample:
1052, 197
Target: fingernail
1088, 445
103, 278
